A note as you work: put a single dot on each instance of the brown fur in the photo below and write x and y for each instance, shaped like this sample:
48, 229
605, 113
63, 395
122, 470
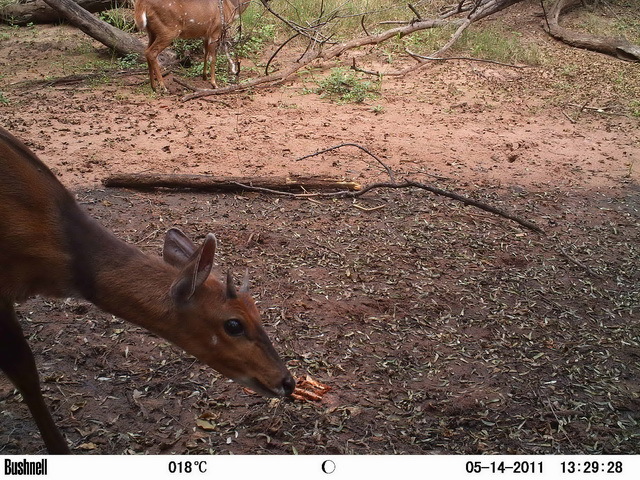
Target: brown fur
167, 20
49, 245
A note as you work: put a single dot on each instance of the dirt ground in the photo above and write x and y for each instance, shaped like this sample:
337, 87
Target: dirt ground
440, 328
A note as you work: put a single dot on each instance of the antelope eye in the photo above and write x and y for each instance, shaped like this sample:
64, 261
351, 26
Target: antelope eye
233, 328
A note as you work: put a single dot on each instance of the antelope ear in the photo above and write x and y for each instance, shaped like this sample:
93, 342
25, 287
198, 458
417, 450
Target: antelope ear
196, 271
178, 249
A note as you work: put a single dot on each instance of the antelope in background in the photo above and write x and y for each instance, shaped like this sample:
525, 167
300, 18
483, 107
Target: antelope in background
166, 20
49, 245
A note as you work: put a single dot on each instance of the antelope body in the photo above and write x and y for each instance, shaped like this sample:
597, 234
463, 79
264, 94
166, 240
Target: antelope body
50, 246
166, 20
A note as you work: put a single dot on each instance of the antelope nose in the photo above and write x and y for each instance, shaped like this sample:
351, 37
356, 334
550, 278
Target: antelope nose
288, 384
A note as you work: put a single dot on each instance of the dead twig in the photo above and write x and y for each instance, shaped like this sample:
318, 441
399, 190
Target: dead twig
368, 209
585, 107
200, 181
335, 147
185, 84
260, 82
568, 117
275, 54
618, 47
317, 41
405, 184
151, 181
310, 31
415, 12
578, 263
364, 28
470, 59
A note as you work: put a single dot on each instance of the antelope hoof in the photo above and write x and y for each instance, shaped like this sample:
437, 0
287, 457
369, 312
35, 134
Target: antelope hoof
160, 89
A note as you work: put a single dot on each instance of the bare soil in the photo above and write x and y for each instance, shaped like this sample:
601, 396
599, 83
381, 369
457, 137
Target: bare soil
440, 328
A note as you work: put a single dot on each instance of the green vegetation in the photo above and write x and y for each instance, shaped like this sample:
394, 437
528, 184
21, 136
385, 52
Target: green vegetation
344, 17
427, 41
6, 3
261, 32
190, 53
251, 44
346, 86
593, 21
118, 17
498, 44
186, 47
344, 21
627, 27
131, 60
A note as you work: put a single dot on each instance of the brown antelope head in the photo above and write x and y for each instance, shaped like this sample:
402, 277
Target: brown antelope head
232, 338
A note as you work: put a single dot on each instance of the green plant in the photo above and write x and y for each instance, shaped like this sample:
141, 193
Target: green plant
185, 48
100, 79
3, 100
496, 43
93, 65
119, 17
345, 86
343, 18
428, 40
8, 19
194, 70
627, 27
251, 44
130, 60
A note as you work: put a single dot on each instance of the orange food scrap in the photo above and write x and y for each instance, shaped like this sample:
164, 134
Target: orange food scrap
309, 390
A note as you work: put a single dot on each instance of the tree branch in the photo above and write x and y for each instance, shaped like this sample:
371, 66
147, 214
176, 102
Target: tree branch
614, 46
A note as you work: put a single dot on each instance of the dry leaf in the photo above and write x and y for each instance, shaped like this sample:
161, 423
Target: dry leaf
205, 424
87, 446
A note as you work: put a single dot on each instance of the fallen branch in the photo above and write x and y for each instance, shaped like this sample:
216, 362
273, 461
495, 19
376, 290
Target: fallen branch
150, 181
24, 12
614, 46
578, 263
286, 186
405, 184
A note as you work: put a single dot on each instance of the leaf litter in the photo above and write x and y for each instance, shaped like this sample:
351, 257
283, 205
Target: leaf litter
438, 328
